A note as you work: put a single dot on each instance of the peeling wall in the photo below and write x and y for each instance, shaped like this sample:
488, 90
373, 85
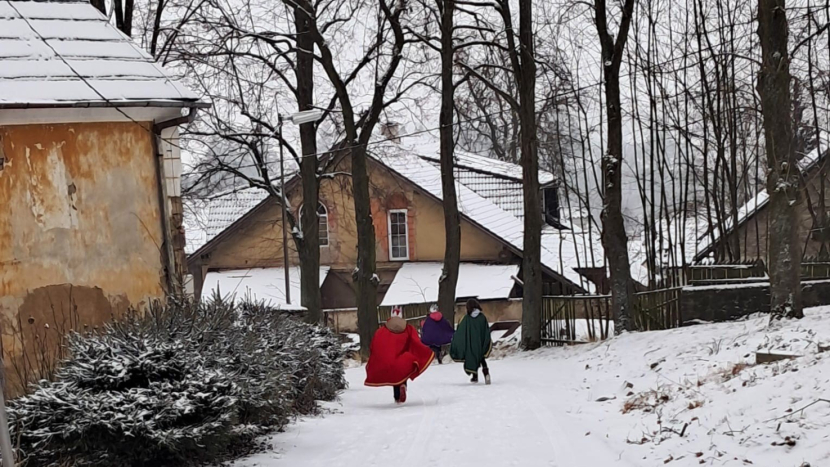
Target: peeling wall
80, 228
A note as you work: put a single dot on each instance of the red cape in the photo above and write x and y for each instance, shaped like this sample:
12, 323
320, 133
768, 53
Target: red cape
395, 358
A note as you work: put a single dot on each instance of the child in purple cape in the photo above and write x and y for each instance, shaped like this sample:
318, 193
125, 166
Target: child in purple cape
436, 332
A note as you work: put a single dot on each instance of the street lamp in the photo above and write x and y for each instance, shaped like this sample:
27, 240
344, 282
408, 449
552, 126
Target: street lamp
299, 118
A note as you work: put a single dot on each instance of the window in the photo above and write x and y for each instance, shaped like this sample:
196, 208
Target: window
398, 235
550, 206
323, 219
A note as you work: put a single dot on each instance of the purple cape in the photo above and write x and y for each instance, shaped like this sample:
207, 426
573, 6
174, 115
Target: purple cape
436, 333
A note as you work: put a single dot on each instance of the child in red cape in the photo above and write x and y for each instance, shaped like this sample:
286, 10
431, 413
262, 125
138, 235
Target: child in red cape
396, 355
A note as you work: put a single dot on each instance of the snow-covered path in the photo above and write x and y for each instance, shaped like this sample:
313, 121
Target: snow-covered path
522, 419
684, 397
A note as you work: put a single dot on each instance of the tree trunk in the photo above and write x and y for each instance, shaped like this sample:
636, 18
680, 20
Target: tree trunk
366, 281
129, 8
614, 239
124, 15
364, 274
101, 5
308, 246
783, 176
452, 222
531, 257
154, 38
119, 14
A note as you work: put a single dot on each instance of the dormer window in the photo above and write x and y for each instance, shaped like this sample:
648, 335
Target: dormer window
550, 206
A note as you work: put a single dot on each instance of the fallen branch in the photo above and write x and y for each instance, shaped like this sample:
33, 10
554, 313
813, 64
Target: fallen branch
679, 433
799, 410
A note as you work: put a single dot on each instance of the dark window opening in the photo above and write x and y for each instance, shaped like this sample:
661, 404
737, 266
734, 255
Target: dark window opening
550, 207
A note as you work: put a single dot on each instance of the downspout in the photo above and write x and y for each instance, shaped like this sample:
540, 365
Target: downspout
169, 253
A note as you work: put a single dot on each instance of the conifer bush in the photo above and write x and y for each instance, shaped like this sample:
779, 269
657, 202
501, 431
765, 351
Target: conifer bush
178, 385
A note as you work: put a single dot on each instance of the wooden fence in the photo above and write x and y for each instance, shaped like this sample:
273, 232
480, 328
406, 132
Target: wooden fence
658, 309
412, 312
570, 319
575, 318
727, 271
811, 268
815, 268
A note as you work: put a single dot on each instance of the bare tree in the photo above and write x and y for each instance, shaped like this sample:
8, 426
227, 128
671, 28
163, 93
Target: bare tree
613, 225
783, 178
452, 221
308, 243
358, 131
523, 69
247, 75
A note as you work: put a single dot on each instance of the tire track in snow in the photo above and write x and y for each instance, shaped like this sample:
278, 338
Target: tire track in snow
556, 446
422, 436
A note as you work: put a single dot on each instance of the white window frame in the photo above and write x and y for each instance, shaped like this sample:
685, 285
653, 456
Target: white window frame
405, 212
328, 232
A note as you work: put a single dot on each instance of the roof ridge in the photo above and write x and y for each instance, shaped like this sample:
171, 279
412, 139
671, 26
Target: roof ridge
484, 170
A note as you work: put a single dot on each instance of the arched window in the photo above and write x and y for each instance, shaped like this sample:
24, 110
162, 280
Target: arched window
323, 219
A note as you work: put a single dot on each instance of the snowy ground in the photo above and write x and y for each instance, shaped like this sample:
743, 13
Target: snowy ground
623, 402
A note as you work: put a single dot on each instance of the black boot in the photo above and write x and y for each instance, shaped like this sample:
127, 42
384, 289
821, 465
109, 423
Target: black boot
486, 372
474, 379
397, 392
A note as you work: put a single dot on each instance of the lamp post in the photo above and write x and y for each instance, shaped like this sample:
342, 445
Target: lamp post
299, 118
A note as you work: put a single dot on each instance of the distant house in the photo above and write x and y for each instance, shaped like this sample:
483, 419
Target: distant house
752, 229
243, 254
89, 171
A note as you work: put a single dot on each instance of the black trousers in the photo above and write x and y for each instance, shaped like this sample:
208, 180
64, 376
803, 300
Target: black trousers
437, 350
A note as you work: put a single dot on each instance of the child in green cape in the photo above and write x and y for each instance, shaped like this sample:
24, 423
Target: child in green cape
471, 343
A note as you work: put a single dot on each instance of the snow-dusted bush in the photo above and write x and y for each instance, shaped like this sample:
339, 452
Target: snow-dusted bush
127, 400
312, 355
177, 385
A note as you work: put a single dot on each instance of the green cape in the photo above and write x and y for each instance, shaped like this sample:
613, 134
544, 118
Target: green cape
471, 342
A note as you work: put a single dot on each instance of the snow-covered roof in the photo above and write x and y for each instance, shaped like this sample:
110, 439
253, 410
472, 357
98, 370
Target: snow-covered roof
418, 282
559, 250
756, 203
563, 251
266, 284
68, 54
226, 209
498, 181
